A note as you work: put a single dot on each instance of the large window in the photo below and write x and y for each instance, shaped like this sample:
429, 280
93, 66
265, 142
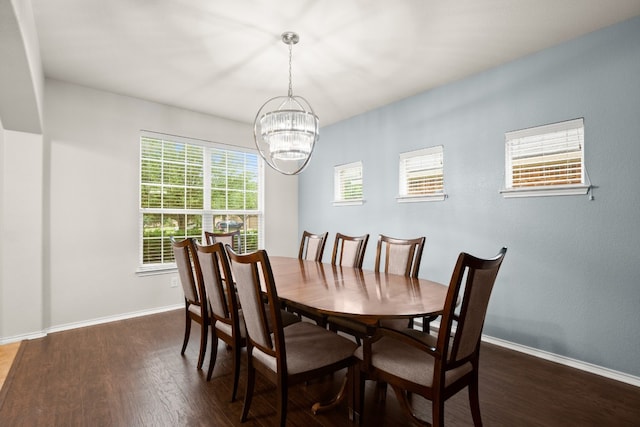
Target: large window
188, 187
546, 160
421, 175
347, 181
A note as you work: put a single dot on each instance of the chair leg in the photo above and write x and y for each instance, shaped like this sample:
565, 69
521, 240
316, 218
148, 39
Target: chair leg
187, 331
438, 412
358, 394
474, 402
204, 336
214, 352
283, 398
237, 351
248, 394
381, 391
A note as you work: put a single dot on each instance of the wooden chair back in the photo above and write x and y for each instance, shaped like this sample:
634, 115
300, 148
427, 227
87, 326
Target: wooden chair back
214, 265
253, 276
399, 256
188, 269
312, 246
348, 251
232, 239
474, 277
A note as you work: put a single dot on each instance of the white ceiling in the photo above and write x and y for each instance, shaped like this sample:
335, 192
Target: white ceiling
226, 58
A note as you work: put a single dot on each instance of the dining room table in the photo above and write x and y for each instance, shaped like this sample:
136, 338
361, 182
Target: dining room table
364, 295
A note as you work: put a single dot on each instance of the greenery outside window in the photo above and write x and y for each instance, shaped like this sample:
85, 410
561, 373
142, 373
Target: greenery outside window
546, 161
347, 181
188, 187
421, 175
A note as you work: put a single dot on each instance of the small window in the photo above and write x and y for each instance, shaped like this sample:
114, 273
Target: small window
546, 161
347, 181
422, 175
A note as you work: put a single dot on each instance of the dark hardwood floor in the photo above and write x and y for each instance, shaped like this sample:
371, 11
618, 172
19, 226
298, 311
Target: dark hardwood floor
130, 373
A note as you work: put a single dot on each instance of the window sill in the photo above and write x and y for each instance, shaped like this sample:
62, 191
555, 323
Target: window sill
559, 190
348, 202
423, 198
155, 270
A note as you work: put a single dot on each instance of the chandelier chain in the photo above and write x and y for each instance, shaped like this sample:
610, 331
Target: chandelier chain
290, 78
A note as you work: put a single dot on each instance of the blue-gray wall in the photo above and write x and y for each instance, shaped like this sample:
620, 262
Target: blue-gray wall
570, 283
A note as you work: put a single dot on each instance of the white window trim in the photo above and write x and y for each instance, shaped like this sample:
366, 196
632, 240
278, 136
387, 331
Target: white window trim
556, 190
156, 269
356, 202
423, 198
434, 197
336, 185
167, 268
547, 190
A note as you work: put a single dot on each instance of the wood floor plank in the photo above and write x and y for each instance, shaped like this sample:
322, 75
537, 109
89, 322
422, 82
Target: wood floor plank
131, 373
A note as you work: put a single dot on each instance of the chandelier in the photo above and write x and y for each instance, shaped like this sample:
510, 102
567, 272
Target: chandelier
286, 128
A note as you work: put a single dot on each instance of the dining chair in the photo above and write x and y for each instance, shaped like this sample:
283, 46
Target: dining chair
393, 256
399, 256
227, 322
195, 299
348, 251
403, 257
231, 238
435, 367
311, 249
312, 246
291, 354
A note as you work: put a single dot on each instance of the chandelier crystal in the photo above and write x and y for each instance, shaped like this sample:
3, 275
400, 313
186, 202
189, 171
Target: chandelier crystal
286, 128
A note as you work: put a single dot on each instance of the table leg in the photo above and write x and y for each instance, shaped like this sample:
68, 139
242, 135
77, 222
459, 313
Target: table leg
335, 401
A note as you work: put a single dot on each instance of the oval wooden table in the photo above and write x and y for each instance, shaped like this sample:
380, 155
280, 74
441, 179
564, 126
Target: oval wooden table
365, 295
351, 292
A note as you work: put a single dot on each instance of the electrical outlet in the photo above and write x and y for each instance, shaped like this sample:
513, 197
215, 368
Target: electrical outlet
174, 282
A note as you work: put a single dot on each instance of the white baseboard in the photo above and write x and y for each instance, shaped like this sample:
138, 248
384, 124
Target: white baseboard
22, 337
552, 357
91, 322
567, 361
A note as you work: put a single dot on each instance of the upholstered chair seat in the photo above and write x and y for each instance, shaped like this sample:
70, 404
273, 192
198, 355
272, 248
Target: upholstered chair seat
409, 363
308, 349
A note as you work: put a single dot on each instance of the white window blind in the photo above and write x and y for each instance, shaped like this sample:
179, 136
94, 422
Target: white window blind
348, 184
546, 160
188, 187
421, 175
